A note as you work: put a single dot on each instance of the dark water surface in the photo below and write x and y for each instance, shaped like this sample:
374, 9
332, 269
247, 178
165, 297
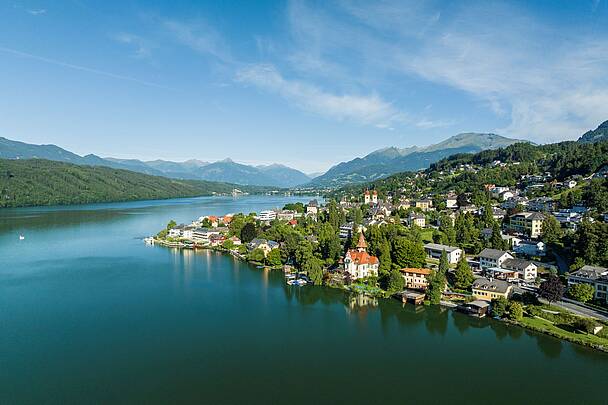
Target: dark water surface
90, 314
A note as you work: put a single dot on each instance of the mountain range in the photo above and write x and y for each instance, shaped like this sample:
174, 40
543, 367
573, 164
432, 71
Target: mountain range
596, 135
226, 171
387, 161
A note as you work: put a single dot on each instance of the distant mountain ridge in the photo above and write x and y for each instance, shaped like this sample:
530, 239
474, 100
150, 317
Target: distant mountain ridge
222, 171
387, 161
597, 135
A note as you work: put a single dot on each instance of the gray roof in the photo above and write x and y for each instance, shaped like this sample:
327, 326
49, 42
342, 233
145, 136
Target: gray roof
492, 253
517, 264
437, 246
483, 283
479, 304
590, 272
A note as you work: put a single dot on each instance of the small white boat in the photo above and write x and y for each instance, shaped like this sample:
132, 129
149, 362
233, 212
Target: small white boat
298, 282
21, 237
149, 240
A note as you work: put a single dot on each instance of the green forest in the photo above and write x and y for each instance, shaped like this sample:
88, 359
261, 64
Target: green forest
33, 182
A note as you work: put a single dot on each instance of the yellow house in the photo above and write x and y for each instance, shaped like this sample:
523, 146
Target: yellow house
416, 278
487, 290
424, 205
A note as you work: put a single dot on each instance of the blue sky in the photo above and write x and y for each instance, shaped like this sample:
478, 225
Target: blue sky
307, 84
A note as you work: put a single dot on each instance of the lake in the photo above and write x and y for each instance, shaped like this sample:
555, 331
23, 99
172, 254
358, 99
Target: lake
90, 314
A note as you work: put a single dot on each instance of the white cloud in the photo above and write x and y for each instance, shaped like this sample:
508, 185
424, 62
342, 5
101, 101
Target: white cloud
201, 38
366, 109
37, 11
142, 47
551, 81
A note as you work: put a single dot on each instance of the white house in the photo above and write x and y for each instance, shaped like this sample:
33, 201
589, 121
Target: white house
358, 263
530, 248
267, 215
526, 269
493, 258
434, 250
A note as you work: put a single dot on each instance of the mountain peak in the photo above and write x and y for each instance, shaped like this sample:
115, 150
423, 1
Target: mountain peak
596, 135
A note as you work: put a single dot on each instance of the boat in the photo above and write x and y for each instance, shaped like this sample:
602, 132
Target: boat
21, 237
298, 282
149, 240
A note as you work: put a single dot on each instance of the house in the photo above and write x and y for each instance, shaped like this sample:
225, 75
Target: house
312, 207
478, 308
217, 240
404, 204
542, 204
264, 244
176, 231
416, 278
528, 223
424, 205
493, 258
506, 195
487, 290
358, 263
526, 269
451, 201
267, 215
593, 275
530, 248
236, 241
416, 219
293, 223
346, 230
497, 191
570, 183
188, 231
434, 251
501, 274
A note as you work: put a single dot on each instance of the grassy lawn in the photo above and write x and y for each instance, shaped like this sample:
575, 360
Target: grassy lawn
567, 333
427, 235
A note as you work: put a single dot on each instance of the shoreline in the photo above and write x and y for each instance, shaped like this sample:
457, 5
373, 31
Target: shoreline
443, 303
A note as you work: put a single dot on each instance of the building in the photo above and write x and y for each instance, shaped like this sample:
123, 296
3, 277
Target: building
267, 215
451, 201
416, 278
493, 258
424, 205
346, 230
528, 223
416, 219
487, 290
592, 275
434, 251
177, 231
530, 248
312, 207
235, 240
264, 244
542, 204
217, 240
526, 269
358, 263
367, 197
478, 308
203, 235
286, 215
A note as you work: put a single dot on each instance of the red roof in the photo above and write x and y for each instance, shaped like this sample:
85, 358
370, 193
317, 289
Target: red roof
425, 272
361, 257
293, 222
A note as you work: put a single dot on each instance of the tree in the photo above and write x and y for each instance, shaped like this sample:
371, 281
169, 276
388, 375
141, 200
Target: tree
172, 224
396, 282
385, 259
463, 275
585, 324
446, 227
228, 244
248, 232
329, 243
551, 289
581, 292
274, 257
499, 307
407, 253
436, 286
444, 265
516, 311
256, 255
314, 270
206, 223
551, 230
496, 240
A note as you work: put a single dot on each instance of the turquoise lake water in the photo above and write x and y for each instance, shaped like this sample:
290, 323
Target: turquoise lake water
90, 314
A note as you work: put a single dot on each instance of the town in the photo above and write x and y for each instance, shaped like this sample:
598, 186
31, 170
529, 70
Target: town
506, 251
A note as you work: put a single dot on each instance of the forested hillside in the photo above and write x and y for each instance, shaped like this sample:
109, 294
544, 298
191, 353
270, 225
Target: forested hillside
42, 182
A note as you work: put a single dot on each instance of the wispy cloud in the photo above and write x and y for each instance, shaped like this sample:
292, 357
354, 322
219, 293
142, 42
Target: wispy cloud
200, 37
80, 68
142, 48
367, 109
37, 11
550, 81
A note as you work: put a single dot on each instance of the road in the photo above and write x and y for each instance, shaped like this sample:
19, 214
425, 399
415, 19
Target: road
578, 309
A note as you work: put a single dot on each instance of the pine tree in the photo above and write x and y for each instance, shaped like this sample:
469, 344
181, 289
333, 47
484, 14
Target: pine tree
463, 275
